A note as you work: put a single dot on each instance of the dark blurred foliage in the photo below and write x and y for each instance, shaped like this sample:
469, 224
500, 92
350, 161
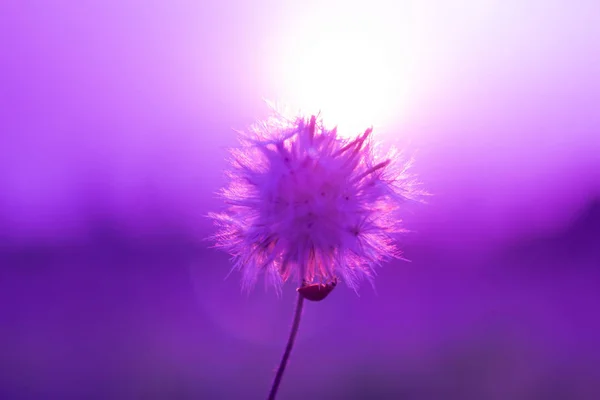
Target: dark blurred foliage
119, 317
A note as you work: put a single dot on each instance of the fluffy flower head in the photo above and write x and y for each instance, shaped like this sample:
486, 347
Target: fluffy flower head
305, 203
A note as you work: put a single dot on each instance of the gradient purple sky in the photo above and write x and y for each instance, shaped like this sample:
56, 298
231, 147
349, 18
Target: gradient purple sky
118, 102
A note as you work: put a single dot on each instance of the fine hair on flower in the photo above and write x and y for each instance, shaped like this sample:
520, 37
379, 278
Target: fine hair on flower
306, 204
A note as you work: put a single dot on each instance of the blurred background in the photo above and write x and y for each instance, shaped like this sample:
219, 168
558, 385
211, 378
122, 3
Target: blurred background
114, 120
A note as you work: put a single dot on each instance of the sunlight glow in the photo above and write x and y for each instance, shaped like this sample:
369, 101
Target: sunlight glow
350, 79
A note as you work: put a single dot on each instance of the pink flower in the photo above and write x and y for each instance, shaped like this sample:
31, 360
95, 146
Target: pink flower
305, 203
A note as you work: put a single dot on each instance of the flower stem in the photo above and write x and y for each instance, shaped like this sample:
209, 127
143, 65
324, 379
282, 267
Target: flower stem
288, 348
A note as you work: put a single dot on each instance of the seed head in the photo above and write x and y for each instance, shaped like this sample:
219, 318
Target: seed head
305, 203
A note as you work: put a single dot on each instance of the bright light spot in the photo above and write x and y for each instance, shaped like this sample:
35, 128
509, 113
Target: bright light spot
354, 81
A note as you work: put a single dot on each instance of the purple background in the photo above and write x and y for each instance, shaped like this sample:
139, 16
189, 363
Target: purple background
114, 117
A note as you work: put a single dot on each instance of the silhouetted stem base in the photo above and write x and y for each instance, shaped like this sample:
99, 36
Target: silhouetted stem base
288, 347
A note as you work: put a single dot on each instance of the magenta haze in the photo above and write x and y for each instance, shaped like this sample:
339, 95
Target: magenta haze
306, 203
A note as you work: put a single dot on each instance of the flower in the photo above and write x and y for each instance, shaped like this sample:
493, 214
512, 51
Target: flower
305, 203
